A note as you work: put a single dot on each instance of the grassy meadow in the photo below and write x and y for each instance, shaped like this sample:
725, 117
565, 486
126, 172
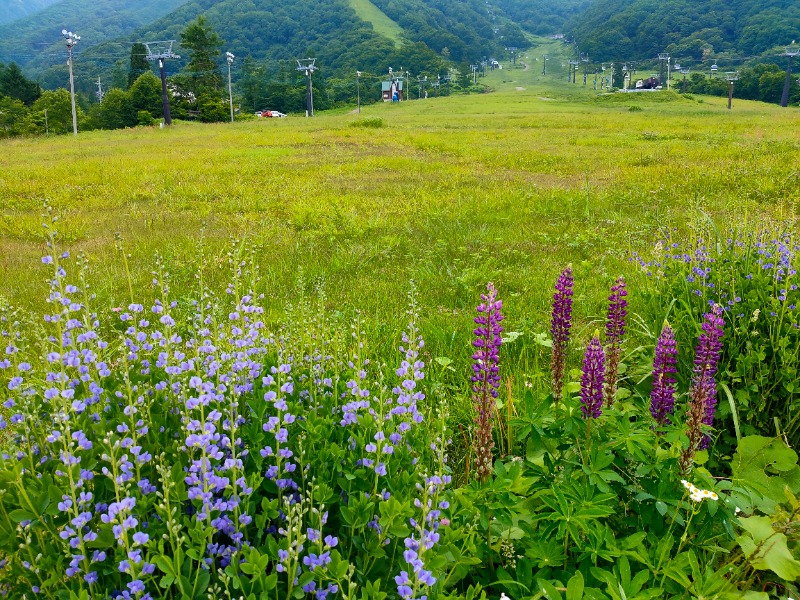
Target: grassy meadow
452, 192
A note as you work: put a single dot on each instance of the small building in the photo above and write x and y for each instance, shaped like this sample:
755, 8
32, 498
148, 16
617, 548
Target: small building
392, 91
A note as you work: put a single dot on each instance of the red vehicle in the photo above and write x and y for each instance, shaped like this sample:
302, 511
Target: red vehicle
271, 114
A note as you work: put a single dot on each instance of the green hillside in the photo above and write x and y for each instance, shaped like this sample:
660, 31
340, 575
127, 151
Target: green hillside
687, 29
11, 10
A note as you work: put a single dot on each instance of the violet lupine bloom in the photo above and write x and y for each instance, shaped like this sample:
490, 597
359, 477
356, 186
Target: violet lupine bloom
615, 331
486, 379
703, 392
662, 396
559, 330
592, 376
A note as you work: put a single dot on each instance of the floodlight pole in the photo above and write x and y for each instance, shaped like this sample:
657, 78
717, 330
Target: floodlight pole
358, 90
161, 57
230, 58
72, 39
308, 67
790, 52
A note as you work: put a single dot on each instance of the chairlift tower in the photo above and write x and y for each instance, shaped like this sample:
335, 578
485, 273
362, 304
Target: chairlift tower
162, 51
663, 57
573, 71
731, 76
71, 39
308, 66
789, 52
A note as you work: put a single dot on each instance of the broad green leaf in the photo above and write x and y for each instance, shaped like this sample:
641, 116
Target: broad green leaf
767, 549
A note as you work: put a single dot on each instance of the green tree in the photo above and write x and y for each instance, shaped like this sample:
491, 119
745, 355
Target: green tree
139, 63
12, 116
59, 113
145, 94
15, 85
203, 45
115, 111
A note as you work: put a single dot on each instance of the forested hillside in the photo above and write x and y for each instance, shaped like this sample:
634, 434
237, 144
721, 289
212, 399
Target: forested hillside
11, 10
687, 29
35, 43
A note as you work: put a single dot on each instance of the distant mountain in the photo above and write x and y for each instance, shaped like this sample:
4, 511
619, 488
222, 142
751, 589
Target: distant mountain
11, 10
344, 35
687, 29
35, 42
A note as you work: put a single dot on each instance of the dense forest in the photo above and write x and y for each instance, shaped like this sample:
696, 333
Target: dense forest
543, 17
687, 29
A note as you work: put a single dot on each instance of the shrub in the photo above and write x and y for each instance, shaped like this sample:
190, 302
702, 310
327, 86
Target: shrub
369, 122
145, 118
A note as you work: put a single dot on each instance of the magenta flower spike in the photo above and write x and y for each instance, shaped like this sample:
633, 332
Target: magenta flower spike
662, 396
592, 377
486, 378
703, 391
615, 331
560, 328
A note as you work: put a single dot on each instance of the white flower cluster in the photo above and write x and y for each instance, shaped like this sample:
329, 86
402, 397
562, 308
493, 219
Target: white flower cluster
698, 495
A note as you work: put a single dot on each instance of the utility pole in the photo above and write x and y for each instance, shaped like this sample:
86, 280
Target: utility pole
474, 73
358, 90
99, 93
72, 39
585, 60
46, 124
684, 71
153, 54
229, 57
308, 67
731, 76
544, 68
790, 52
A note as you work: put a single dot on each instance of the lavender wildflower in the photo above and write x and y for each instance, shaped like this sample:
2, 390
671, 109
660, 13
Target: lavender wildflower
561, 324
592, 379
486, 379
703, 391
662, 396
615, 331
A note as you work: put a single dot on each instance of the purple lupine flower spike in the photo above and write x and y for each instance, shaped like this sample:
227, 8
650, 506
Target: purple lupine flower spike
703, 391
486, 378
592, 376
559, 330
662, 396
615, 331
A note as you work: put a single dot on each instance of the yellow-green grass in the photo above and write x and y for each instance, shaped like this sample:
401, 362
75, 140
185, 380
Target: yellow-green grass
453, 192
380, 21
